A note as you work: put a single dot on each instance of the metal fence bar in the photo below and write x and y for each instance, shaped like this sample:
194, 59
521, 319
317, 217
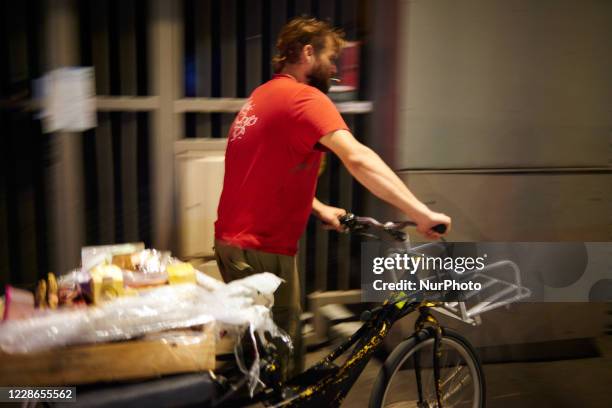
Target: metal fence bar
345, 201
100, 40
5, 253
98, 16
321, 253
65, 202
129, 138
278, 17
327, 9
203, 68
253, 44
303, 7
105, 180
165, 59
229, 70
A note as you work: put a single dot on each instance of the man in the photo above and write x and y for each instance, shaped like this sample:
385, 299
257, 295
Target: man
271, 164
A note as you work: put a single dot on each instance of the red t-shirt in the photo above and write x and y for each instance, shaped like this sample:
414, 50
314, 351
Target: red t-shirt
271, 165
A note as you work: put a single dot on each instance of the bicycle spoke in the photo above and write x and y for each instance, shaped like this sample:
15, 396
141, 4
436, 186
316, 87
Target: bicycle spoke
458, 388
450, 377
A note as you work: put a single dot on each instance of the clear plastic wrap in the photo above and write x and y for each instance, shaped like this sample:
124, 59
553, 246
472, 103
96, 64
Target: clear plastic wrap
96, 255
163, 308
150, 268
242, 305
152, 261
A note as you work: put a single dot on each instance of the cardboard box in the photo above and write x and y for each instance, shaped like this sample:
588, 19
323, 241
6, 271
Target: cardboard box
174, 352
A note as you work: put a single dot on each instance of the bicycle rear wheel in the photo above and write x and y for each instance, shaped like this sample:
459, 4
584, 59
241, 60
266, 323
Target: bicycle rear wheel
407, 380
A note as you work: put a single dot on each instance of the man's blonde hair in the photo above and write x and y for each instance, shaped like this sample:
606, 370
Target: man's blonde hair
302, 31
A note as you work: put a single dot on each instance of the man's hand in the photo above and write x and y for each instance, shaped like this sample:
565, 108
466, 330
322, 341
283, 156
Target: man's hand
430, 219
328, 214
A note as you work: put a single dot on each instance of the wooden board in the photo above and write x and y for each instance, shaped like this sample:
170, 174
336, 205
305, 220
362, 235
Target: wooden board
137, 359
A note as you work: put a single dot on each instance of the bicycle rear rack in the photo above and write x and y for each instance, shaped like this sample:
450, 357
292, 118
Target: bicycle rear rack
495, 292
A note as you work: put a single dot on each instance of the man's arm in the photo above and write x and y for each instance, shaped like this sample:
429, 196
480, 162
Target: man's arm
371, 171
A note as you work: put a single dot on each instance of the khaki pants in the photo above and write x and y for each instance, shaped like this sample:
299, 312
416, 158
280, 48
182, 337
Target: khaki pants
236, 263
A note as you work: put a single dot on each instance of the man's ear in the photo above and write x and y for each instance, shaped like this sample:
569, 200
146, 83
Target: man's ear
307, 51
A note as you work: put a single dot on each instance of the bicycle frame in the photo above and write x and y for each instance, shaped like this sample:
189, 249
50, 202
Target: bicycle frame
327, 384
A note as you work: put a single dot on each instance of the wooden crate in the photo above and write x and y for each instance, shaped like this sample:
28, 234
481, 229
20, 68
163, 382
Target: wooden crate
127, 360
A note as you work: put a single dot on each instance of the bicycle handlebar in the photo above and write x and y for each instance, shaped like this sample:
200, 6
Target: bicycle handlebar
355, 223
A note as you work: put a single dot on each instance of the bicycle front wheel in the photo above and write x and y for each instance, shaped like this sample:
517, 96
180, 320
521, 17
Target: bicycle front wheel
407, 380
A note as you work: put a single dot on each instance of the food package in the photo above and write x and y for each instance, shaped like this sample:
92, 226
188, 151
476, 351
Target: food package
19, 304
106, 283
70, 292
238, 307
93, 256
52, 291
124, 261
180, 272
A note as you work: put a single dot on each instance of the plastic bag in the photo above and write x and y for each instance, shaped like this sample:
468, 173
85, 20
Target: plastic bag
235, 307
163, 308
150, 268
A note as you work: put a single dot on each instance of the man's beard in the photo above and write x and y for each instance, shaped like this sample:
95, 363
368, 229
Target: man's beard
319, 79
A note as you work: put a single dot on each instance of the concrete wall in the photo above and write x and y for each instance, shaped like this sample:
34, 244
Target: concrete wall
504, 121
494, 83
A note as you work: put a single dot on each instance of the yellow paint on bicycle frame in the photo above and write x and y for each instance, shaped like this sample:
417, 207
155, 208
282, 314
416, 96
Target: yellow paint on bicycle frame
401, 304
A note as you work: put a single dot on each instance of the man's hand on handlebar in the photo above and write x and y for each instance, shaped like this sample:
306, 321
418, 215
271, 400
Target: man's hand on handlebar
434, 224
330, 216
429, 225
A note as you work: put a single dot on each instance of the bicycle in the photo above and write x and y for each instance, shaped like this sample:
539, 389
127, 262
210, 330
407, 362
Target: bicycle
442, 365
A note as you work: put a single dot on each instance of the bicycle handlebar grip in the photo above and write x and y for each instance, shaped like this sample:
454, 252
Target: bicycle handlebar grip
440, 228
